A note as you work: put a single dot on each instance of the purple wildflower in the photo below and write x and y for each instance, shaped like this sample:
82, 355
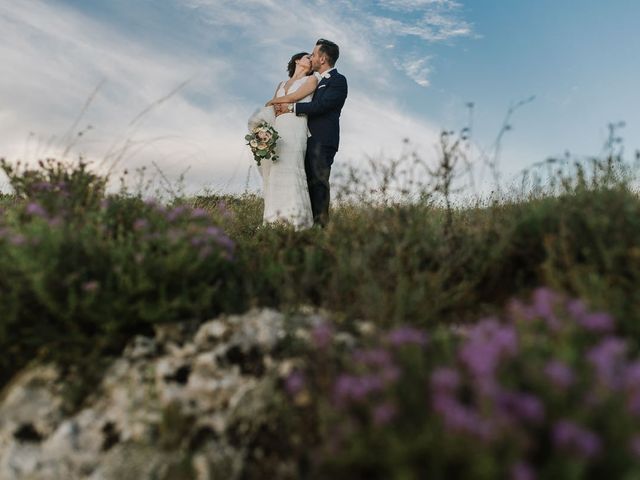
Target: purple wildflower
54, 222
634, 445
523, 406
632, 376
18, 240
598, 322
140, 224
576, 308
36, 209
226, 243
199, 213
295, 382
390, 374
221, 238
633, 403
488, 342
458, 418
406, 335
223, 209
214, 232
176, 213
607, 358
322, 335
544, 303
522, 471
573, 438
384, 413
377, 357
197, 241
42, 186
518, 310
352, 388
445, 380
559, 373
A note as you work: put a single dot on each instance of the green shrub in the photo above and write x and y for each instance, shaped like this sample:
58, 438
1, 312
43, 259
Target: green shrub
82, 273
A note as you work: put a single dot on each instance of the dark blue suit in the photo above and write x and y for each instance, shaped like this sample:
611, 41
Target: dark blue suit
323, 114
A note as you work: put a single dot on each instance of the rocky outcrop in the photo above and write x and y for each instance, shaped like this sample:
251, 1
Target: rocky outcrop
185, 404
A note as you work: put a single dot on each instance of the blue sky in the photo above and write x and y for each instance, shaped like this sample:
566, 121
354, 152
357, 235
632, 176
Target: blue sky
412, 65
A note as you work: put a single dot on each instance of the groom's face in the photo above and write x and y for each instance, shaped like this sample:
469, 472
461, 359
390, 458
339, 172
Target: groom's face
316, 59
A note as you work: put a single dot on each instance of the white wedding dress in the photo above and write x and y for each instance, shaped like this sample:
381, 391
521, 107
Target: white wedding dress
286, 194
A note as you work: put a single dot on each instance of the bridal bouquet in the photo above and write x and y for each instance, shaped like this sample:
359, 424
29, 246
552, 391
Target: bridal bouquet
262, 141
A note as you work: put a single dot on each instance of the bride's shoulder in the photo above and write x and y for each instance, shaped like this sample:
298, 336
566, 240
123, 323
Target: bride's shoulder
311, 79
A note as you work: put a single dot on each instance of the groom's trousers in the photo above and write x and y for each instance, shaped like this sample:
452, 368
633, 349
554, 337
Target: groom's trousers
317, 165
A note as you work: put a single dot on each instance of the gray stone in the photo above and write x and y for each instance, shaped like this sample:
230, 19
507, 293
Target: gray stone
165, 410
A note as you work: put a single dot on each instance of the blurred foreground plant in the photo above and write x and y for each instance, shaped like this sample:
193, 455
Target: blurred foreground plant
81, 272
547, 391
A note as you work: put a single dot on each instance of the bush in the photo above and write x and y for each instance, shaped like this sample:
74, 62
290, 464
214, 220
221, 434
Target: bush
81, 273
531, 395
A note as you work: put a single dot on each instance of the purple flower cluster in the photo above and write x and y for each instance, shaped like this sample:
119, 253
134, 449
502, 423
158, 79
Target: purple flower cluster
356, 388
522, 471
522, 406
488, 343
542, 383
575, 439
559, 374
322, 335
182, 224
35, 209
406, 335
459, 418
374, 357
295, 382
384, 413
373, 373
608, 360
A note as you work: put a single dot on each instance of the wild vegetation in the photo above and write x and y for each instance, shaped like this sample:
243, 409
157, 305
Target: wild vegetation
506, 329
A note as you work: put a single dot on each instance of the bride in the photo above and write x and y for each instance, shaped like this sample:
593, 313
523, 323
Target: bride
286, 193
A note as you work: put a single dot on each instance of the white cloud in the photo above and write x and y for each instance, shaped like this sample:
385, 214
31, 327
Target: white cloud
429, 20
417, 4
418, 69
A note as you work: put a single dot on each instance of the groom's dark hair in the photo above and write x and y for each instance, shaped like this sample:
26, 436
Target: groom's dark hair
291, 68
330, 49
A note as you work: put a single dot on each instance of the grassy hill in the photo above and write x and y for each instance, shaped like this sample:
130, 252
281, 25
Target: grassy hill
82, 272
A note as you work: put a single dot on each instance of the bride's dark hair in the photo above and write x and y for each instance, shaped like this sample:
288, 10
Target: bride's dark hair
291, 68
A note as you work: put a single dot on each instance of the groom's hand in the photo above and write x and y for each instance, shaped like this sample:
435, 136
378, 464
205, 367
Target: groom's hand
280, 108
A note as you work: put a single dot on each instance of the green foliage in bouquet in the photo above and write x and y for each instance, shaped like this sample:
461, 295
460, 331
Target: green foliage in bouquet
262, 142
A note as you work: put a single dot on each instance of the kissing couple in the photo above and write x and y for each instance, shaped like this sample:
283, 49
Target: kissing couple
305, 111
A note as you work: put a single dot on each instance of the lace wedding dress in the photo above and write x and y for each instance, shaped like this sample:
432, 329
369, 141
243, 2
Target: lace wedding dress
286, 194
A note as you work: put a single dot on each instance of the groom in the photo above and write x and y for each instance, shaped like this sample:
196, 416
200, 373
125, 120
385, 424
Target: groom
323, 114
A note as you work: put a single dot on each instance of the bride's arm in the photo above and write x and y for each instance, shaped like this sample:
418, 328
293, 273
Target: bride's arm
306, 89
274, 96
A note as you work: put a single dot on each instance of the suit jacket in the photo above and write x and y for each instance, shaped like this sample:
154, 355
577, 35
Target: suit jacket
323, 111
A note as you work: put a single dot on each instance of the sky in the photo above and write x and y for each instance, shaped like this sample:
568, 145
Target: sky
169, 84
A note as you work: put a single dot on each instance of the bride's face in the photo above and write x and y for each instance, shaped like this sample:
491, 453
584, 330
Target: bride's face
305, 62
